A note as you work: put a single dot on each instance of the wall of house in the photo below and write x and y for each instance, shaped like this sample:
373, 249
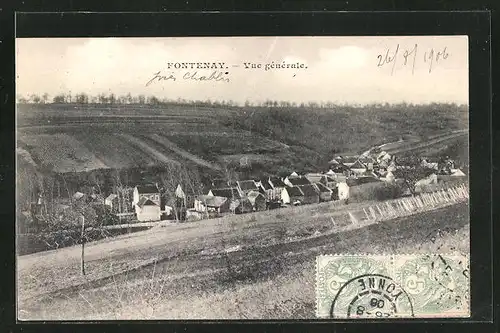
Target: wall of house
310, 199
148, 213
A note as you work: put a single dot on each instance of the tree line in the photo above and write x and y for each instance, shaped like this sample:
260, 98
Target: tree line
114, 99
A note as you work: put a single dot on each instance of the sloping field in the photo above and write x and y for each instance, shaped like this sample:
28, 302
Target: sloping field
252, 266
115, 143
437, 142
61, 152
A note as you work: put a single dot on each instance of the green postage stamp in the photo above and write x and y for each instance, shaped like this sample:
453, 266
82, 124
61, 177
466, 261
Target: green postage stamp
392, 286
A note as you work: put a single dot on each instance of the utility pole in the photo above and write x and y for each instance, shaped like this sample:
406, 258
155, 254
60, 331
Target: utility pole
83, 245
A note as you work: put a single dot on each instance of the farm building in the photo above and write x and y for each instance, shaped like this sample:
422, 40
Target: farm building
292, 195
150, 192
296, 181
343, 191
258, 200
207, 203
245, 186
325, 193
311, 194
147, 210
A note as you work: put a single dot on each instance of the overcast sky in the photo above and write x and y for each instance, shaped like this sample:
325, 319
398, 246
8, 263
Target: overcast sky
339, 69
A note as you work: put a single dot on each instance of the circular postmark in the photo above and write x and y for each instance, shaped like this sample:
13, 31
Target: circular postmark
371, 296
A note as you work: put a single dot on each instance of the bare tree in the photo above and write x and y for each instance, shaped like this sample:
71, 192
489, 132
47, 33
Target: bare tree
59, 99
173, 176
411, 170
45, 98
35, 98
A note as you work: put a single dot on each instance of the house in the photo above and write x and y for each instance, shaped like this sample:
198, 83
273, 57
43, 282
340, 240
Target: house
292, 195
277, 186
358, 167
349, 160
150, 192
388, 177
430, 163
294, 174
179, 193
264, 187
230, 193
311, 194
343, 191
368, 161
245, 186
383, 156
258, 200
314, 177
457, 173
325, 193
428, 180
112, 201
276, 183
147, 210
208, 203
330, 181
296, 181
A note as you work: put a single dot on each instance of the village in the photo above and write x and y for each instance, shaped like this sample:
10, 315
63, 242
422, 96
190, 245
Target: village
152, 202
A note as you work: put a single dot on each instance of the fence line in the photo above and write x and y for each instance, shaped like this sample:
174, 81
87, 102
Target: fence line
411, 205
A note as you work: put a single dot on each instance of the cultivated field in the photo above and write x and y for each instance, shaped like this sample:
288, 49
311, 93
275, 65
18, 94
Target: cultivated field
257, 265
208, 137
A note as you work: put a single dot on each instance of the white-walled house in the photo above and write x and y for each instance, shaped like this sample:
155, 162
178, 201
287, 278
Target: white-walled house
146, 200
292, 195
150, 192
343, 191
147, 210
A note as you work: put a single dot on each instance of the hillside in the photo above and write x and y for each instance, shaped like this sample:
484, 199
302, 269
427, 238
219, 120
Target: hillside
254, 266
74, 138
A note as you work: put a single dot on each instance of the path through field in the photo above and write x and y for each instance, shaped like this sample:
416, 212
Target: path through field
141, 144
172, 146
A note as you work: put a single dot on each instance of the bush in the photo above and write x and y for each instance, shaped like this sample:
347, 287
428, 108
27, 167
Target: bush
375, 191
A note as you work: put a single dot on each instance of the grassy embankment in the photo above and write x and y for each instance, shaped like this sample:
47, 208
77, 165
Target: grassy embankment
250, 268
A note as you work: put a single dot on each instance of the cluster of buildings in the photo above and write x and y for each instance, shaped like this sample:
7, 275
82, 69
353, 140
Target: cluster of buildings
151, 203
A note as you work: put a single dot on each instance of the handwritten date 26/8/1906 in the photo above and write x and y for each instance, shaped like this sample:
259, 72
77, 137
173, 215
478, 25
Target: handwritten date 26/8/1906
410, 56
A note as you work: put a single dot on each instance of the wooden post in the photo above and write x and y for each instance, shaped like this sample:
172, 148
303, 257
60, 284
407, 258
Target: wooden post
83, 246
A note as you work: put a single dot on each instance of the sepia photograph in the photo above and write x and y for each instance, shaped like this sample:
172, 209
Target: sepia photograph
266, 178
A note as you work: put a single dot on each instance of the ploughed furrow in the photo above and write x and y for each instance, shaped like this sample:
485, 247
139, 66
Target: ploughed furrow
147, 148
172, 146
